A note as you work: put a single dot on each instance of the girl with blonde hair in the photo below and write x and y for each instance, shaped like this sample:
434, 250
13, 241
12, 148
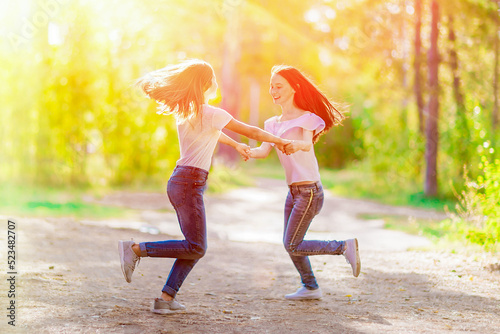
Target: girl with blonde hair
183, 90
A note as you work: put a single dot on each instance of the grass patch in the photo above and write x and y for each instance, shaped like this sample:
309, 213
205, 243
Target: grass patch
57, 202
439, 232
354, 183
269, 168
357, 183
223, 178
75, 208
423, 227
26, 200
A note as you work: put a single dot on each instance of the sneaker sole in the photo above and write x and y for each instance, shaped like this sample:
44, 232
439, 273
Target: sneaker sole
358, 260
164, 311
121, 251
302, 298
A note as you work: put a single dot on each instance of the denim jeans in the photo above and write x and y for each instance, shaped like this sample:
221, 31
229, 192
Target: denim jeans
185, 191
302, 204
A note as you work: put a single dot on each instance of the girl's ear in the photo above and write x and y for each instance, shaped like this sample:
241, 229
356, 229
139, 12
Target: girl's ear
298, 87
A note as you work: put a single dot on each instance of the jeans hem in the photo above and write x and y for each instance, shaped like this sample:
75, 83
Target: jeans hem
168, 290
144, 252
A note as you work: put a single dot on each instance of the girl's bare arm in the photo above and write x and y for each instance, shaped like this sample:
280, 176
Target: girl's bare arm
242, 149
261, 152
256, 133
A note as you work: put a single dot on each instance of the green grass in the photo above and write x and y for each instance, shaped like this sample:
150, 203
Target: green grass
437, 231
223, 178
269, 168
424, 227
58, 202
26, 200
353, 183
357, 183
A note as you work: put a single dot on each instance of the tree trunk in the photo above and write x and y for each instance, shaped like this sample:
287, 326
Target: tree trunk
432, 132
404, 67
461, 125
417, 66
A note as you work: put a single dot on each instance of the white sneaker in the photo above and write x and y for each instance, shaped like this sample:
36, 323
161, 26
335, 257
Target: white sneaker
303, 294
161, 306
351, 254
128, 259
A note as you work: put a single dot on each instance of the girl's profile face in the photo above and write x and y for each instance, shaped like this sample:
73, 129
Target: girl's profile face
211, 92
280, 90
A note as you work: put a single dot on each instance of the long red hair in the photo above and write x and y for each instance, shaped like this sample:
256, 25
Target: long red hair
308, 97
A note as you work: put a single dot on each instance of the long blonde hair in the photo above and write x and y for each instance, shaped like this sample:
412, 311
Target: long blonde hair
179, 89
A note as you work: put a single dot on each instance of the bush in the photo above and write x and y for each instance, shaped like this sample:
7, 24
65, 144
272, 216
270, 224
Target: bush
477, 217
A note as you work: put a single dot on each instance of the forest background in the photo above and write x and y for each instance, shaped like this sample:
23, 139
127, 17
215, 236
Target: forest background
420, 78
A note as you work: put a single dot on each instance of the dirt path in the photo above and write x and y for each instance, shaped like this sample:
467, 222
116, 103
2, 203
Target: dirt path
70, 279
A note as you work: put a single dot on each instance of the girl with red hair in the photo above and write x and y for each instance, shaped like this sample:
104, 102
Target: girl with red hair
306, 115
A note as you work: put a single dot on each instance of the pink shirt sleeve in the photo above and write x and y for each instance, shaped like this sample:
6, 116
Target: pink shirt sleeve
313, 123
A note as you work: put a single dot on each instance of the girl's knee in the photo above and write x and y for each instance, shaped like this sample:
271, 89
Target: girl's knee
198, 251
290, 248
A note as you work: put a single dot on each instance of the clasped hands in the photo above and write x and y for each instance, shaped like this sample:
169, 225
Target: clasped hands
287, 147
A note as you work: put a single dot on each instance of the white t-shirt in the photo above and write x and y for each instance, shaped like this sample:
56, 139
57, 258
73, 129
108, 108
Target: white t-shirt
300, 166
199, 136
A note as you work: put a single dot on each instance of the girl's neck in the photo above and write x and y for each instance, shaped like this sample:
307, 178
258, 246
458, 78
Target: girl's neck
290, 111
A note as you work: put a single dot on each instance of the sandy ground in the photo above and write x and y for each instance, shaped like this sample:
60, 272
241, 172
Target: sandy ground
70, 280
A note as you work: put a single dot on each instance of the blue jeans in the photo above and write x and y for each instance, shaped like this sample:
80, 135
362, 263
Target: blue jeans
302, 204
185, 191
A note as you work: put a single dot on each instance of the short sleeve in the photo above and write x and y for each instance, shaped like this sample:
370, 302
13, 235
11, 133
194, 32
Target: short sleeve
313, 123
310, 122
269, 126
220, 118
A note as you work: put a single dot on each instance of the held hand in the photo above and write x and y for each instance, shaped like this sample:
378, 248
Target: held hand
292, 147
251, 153
281, 146
244, 151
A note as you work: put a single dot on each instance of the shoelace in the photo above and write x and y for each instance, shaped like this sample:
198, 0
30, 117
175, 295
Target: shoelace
137, 260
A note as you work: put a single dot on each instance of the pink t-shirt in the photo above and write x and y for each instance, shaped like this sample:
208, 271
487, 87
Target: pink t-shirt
300, 166
199, 136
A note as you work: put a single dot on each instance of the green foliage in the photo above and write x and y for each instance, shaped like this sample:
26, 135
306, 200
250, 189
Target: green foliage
477, 217
223, 178
70, 115
336, 148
